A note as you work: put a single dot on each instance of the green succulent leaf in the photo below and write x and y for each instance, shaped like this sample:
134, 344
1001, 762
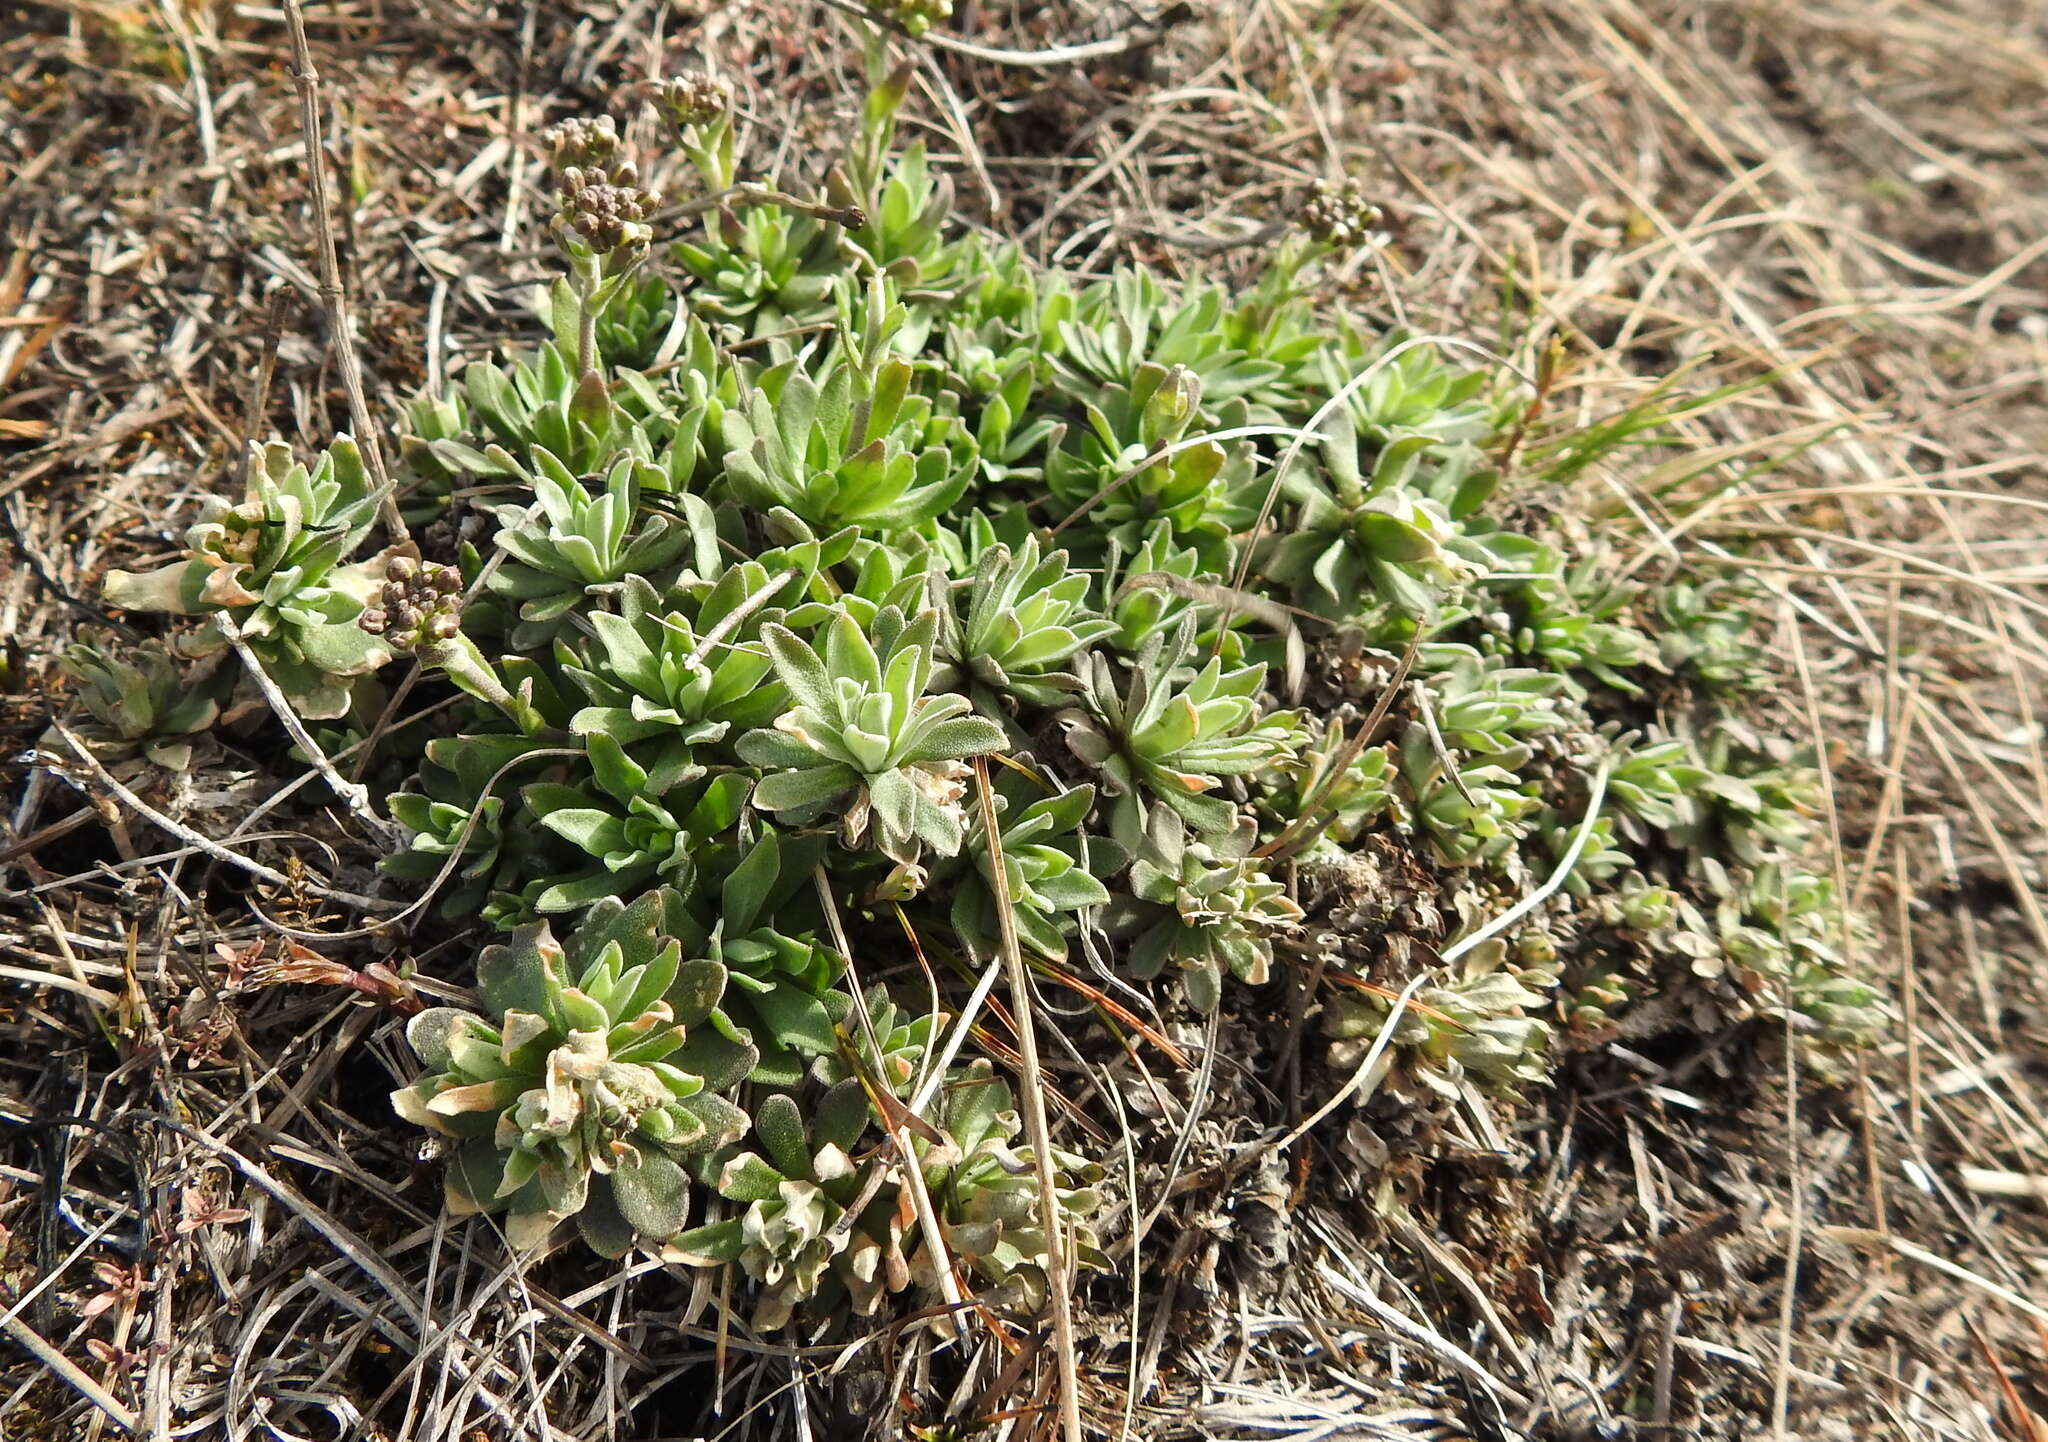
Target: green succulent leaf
652, 1195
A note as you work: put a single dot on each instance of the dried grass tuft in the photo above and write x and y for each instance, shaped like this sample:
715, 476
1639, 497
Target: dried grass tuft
210, 1226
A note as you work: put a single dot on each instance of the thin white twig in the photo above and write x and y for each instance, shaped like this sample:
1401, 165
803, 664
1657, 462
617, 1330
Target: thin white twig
1414, 1331
1427, 712
1342, 396
956, 1036
202, 94
354, 794
1795, 1202
1160, 453
1135, 38
1549, 888
899, 1133
28, 976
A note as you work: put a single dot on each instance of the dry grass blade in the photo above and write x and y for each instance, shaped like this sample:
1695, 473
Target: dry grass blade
342, 333
1439, 1346
1596, 794
1137, 37
1362, 1076
1912, 1252
1059, 1268
903, 1125
2026, 1427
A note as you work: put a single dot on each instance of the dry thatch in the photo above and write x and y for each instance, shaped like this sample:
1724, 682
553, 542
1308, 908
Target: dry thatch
213, 1227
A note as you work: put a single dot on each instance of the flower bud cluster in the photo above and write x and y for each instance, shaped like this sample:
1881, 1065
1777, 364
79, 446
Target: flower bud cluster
1339, 215
693, 99
611, 214
420, 605
602, 200
582, 143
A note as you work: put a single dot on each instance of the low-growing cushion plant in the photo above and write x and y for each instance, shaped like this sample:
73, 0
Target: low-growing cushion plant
834, 589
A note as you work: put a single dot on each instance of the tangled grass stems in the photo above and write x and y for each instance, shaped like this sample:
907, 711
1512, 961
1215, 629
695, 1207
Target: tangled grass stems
702, 732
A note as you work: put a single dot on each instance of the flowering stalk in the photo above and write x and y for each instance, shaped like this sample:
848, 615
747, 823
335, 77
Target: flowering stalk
601, 222
421, 612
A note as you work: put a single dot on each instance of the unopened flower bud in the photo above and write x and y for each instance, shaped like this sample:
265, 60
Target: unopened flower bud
602, 233
444, 627
610, 216
401, 568
582, 143
395, 593
447, 580
693, 99
373, 622
1339, 214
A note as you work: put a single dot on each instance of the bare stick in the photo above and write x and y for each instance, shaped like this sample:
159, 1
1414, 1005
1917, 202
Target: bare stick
307, 80
849, 217
68, 1371
266, 367
1035, 1127
353, 793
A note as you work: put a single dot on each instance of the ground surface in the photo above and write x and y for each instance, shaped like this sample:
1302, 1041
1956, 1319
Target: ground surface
1854, 195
